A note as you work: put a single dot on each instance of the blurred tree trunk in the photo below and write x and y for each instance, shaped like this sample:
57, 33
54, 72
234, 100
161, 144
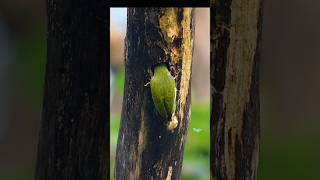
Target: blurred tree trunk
235, 120
73, 139
146, 148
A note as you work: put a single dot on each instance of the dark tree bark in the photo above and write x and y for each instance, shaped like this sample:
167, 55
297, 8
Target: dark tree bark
235, 120
73, 142
146, 148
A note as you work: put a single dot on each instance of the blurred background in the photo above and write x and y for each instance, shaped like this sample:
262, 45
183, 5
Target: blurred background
290, 82
22, 67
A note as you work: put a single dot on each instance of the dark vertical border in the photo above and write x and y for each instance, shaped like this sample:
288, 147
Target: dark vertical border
108, 77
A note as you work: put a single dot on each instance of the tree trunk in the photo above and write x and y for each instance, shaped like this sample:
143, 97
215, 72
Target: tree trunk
73, 142
235, 120
146, 148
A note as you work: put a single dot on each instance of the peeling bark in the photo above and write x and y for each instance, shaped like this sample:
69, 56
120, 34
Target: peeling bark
235, 121
146, 149
73, 138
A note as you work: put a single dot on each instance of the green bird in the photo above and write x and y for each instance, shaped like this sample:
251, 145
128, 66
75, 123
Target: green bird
163, 91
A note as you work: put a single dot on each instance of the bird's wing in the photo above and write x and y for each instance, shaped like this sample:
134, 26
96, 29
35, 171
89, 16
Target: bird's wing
170, 96
158, 95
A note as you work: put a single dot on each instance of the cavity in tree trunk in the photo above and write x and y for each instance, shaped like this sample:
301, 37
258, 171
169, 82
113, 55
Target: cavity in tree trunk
146, 148
73, 138
235, 121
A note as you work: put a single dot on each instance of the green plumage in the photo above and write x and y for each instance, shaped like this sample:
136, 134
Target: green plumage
163, 91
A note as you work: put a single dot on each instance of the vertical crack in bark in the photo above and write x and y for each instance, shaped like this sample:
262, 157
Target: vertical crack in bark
241, 53
187, 47
220, 39
235, 112
142, 141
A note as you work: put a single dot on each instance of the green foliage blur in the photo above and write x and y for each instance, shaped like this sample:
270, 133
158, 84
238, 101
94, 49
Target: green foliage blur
25, 82
31, 59
196, 161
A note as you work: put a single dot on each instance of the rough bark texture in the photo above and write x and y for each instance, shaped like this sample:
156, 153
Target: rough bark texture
146, 148
73, 142
235, 121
